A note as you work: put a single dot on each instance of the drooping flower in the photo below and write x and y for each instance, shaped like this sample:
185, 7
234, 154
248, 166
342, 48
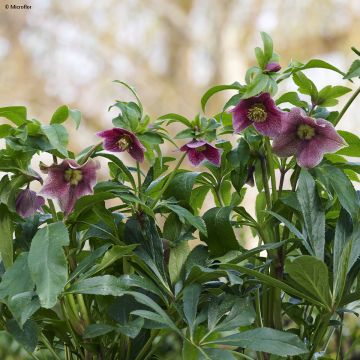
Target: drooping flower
259, 111
200, 150
273, 67
119, 140
69, 181
28, 203
306, 138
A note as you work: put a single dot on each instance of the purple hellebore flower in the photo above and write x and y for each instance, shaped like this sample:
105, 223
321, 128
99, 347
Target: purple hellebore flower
273, 67
119, 140
200, 150
28, 202
69, 181
306, 138
259, 111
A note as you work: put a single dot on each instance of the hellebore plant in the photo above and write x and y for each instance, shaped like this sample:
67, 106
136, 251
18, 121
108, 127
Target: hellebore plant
143, 259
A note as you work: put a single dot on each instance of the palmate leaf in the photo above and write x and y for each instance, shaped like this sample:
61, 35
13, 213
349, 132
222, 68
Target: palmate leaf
267, 340
47, 262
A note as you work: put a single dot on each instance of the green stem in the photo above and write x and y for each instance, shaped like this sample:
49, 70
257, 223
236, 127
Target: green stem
86, 157
53, 210
347, 105
339, 352
240, 355
168, 181
147, 345
83, 309
270, 164
49, 347
138, 179
265, 181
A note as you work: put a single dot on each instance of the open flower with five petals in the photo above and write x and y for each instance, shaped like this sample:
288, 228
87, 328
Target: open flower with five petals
200, 150
119, 140
259, 111
306, 138
69, 181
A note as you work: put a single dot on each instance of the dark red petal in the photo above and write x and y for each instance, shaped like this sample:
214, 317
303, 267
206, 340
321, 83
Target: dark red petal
196, 157
239, 117
193, 144
212, 154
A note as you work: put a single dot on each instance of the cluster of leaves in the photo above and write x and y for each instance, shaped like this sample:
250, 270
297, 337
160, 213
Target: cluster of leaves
121, 281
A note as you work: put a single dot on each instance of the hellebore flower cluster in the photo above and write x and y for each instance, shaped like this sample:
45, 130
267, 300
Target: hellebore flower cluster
119, 140
259, 111
200, 150
28, 203
306, 138
68, 181
294, 132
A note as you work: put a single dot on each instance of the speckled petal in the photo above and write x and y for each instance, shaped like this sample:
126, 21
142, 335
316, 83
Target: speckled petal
212, 154
310, 154
329, 140
195, 157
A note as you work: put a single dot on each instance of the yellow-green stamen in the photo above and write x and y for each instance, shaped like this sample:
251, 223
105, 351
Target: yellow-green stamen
124, 142
257, 113
201, 148
305, 132
73, 176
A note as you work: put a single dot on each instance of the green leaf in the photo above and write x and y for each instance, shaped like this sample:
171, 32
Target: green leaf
354, 70
269, 280
47, 262
27, 337
306, 86
186, 216
314, 216
6, 236
5, 130
311, 274
221, 237
95, 330
215, 89
320, 64
132, 89
60, 115
75, 116
100, 285
266, 340
191, 296
353, 142
16, 114
256, 86
291, 98
16, 290
268, 46
181, 186
178, 256
344, 189
327, 95
176, 118
120, 165
57, 136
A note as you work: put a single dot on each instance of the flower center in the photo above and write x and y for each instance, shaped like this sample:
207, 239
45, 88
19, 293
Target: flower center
201, 148
124, 142
305, 132
73, 176
257, 113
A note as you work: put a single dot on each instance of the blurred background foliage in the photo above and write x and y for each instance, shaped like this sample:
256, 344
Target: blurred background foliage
69, 52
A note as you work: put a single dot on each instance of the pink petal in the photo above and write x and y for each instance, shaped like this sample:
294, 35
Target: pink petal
285, 145
310, 154
55, 185
271, 126
67, 202
328, 138
195, 144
